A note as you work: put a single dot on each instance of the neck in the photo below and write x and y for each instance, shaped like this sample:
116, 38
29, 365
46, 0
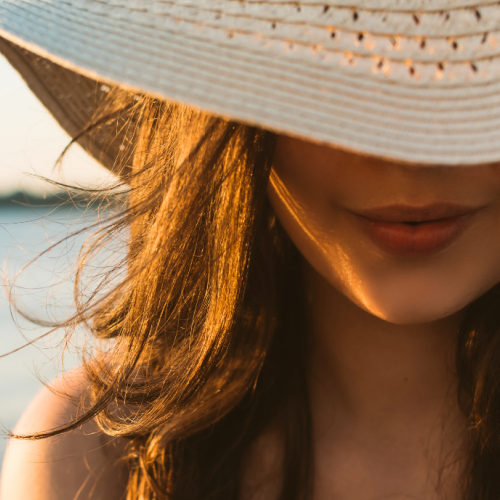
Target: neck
390, 386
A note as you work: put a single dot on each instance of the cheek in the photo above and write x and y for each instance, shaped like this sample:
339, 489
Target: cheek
320, 232
398, 290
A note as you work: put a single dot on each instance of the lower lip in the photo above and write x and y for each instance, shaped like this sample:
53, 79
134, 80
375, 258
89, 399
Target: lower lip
419, 240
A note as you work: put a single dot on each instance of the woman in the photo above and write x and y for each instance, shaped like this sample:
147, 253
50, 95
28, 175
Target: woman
307, 307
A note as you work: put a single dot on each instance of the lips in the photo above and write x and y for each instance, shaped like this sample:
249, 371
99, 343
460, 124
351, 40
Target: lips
408, 231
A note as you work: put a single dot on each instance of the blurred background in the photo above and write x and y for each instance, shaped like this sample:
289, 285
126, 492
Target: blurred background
30, 221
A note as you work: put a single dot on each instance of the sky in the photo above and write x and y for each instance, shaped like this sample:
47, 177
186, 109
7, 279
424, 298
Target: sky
31, 141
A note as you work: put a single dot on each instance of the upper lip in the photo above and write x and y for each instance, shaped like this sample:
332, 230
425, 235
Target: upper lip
413, 213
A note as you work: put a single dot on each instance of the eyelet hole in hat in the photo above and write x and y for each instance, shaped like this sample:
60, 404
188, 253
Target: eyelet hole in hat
416, 19
440, 71
355, 16
326, 8
478, 15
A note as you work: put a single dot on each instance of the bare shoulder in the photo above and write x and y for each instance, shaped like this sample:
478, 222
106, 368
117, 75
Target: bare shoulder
79, 465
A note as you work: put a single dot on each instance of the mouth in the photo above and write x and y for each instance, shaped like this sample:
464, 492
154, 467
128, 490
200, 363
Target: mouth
409, 231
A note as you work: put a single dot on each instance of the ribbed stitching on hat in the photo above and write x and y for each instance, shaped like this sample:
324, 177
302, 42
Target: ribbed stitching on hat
439, 94
393, 5
305, 55
476, 108
346, 39
322, 71
291, 106
251, 14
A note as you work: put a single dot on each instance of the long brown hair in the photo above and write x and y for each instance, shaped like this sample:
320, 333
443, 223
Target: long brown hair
208, 316
205, 309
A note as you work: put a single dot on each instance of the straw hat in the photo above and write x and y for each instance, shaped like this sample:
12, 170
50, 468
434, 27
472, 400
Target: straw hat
409, 80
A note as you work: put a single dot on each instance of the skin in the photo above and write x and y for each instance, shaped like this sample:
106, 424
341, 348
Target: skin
80, 465
383, 392
313, 190
382, 330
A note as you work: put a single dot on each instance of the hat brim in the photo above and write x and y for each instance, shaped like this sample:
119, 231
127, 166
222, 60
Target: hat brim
71, 98
454, 124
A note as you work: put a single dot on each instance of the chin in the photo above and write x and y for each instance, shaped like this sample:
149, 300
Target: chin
412, 303
401, 313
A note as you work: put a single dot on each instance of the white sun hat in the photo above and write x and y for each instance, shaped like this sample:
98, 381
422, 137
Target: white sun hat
413, 81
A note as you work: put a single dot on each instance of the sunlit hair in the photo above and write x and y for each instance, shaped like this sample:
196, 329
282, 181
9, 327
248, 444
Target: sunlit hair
208, 317
207, 311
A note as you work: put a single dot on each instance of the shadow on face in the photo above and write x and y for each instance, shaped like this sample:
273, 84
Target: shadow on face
409, 244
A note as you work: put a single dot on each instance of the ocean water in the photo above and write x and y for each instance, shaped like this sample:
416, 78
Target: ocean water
44, 289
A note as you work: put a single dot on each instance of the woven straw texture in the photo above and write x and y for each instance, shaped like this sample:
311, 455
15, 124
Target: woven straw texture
409, 80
